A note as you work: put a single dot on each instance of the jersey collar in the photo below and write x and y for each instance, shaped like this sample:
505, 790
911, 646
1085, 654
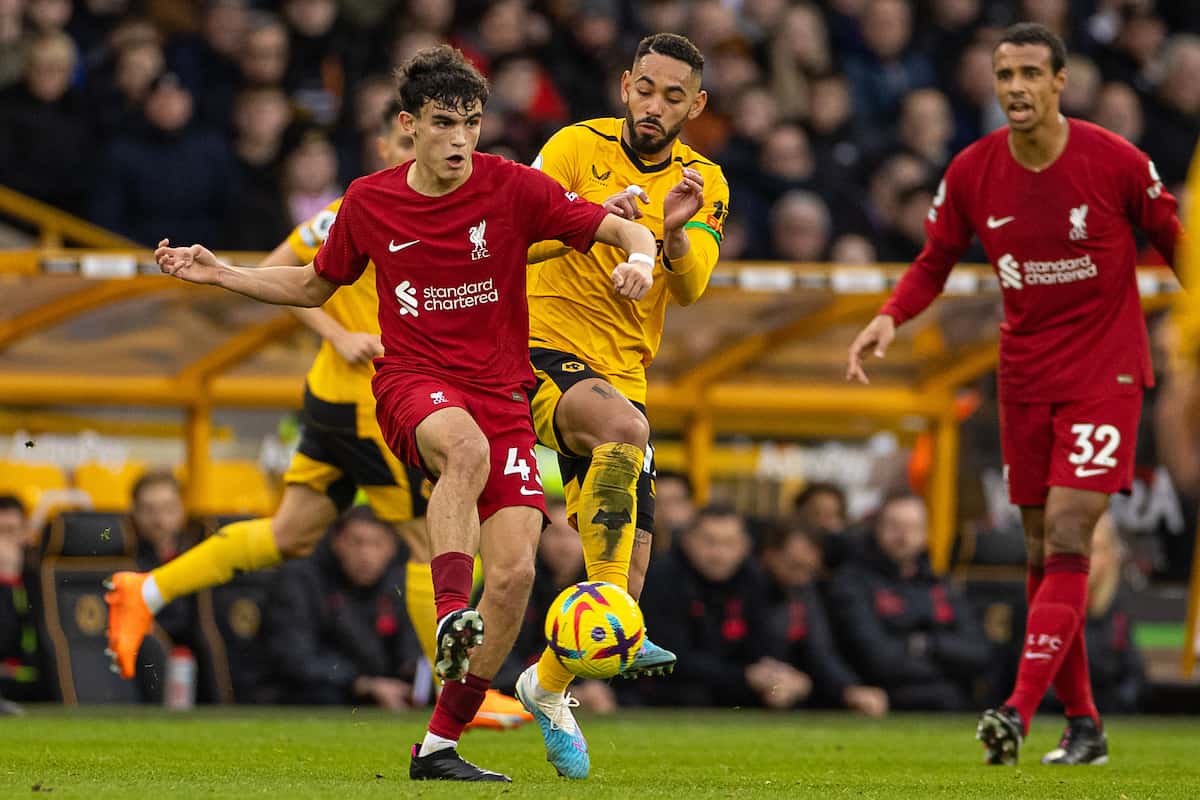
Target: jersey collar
637, 162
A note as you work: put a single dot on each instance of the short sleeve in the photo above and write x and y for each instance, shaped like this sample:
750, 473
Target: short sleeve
947, 222
551, 212
559, 157
711, 216
306, 239
342, 259
1148, 203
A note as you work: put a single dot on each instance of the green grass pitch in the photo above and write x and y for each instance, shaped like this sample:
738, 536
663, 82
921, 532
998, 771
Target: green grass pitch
282, 753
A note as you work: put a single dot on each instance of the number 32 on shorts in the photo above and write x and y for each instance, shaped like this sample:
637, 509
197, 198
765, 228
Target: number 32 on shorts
514, 465
1094, 445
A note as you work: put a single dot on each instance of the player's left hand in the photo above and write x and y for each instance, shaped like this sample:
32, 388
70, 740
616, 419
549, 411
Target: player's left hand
683, 201
625, 202
632, 281
195, 264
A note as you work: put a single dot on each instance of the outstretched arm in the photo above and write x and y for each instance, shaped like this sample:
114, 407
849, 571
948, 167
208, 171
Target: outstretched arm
354, 346
284, 286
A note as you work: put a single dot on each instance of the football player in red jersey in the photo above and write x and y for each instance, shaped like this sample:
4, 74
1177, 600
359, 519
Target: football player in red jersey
1054, 202
448, 233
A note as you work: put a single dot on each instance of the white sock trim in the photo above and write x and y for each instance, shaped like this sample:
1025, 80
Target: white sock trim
433, 743
152, 595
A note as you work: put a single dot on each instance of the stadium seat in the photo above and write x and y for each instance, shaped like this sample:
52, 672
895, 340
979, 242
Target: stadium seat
235, 487
233, 665
90, 533
29, 481
110, 488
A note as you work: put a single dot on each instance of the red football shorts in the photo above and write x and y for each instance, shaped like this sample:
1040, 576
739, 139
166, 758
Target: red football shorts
1080, 444
404, 399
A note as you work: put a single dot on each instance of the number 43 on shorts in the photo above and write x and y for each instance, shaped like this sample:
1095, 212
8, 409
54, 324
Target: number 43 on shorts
1094, 445
519, 466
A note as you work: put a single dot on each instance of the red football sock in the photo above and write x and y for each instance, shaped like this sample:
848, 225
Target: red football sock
452, 573
1073, 684
1054, 619
456, 706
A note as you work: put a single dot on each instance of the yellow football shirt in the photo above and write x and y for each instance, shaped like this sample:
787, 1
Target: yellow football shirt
355, 307
572, 306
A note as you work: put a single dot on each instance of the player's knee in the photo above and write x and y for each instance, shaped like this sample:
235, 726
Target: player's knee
1035, 547
1069, 530
297, 541
510, 586
629, 428
468, 459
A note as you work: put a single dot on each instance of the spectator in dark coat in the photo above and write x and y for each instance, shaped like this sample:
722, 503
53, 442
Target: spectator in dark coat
1173, 114
21, 675
799, 626
170, 180
906, 629
889, 69
707, 602
45, 134
336, 625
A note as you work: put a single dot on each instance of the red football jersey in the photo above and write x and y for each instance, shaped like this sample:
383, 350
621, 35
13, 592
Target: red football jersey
450, 270
1062, 244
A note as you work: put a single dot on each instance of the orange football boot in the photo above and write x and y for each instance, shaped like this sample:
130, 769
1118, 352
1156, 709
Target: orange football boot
129, 620
499, 712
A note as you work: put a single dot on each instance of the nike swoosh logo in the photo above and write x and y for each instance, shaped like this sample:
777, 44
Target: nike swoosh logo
994, 223
1080, 472
1035, 656
528, 492
396, 248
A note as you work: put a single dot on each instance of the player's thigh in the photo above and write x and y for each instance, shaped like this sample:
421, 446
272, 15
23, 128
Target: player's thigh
398, 494
426, 423
1027, 442
301, 520
575, 409
513, 479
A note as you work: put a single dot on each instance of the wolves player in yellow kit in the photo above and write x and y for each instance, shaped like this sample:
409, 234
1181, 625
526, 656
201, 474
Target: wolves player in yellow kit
341, 451
590, 348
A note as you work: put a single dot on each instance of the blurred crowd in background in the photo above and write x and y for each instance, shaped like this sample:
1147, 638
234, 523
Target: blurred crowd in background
231, 121
806, 610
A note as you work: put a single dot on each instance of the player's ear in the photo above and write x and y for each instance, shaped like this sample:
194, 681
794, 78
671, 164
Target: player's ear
408, 123
698, 104
625, 76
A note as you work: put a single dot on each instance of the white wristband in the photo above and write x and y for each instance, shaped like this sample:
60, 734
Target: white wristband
641, 258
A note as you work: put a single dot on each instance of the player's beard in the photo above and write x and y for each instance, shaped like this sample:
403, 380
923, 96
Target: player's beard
650, 145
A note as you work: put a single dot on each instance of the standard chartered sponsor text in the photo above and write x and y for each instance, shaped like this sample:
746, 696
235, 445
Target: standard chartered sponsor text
1065, 270
466, 295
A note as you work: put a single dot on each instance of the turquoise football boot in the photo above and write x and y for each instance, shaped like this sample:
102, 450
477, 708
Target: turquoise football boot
650, 660
566, 748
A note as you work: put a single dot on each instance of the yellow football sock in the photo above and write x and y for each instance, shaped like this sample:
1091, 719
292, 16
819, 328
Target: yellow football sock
418, 599
552, 676
239, 547
607, 515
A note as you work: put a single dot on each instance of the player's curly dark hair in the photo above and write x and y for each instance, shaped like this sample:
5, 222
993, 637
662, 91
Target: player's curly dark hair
441, 74
1034, 33
671, 45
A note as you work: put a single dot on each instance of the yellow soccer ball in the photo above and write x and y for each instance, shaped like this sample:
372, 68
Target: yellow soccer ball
595, 629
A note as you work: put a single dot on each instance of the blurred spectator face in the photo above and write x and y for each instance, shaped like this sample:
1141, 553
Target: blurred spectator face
734, 242
886, 27
137, 67
1026, 85
364, 548
830, 105
504, 27
51, 62
786, 154
169, 106
12, 525
925, 123
800, 227
514, 85
1180, 87
794, 564
559, 547
370, 100
1141, 37
803, 30
717, 546
262, 115
764, 13
311, 18
225, 26
432, 16
595, 27
1051, 13
135, 30
975, 74
912, 210
955, 14
885, 185
755, 114
1083, 82
394, 147
663, 15
410, 43
312, 167
265, 55
852, 249
673, 507
713, 23
1119, 110
158, 514
49, 15
730, 70
660, 95
824, 512
902, 532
